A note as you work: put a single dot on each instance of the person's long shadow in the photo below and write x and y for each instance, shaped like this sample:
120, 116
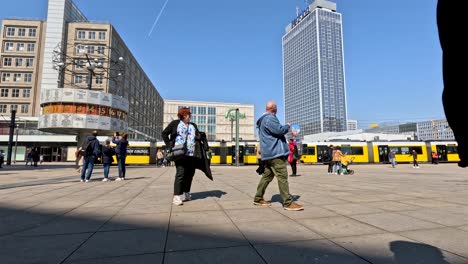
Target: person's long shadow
406, 252
203, 195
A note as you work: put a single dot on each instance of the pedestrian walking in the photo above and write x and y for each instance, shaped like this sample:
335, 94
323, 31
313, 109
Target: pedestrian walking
435, 157
274, 152
183, 132
29, 158
293, 156
90, 150
415, 159
2, 158
108, 153
35, 156
337, 166
121, 144
330, 159
391, 158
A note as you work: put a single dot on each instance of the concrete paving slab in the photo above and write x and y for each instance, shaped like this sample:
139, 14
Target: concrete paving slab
135, 259
242, 254
394, 222
41, 249
352, 209
261, 213
136, 221
449, 239
341, 226
391, 248
393, 206
204, 237
438, 216
275, 231
199, 218
309, 212
306, 252
121, 243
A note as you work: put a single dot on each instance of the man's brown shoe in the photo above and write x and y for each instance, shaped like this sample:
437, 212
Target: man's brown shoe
262, 202
294, 207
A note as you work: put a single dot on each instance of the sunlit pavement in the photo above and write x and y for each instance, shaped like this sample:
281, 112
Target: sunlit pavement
377, 215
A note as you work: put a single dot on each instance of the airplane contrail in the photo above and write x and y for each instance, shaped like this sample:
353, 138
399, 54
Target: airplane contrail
157, 18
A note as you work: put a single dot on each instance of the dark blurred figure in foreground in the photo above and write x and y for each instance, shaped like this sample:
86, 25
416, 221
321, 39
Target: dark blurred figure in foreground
451, 22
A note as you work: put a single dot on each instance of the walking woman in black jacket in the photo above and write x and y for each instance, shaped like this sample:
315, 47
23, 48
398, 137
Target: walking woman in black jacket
180, 132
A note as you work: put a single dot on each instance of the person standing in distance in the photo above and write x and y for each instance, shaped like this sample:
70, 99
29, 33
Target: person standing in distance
121, 144
274, 154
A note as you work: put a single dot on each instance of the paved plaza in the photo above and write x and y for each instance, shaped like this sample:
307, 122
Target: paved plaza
377, 215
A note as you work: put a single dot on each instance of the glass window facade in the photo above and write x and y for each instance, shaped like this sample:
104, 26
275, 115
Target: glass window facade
313, 73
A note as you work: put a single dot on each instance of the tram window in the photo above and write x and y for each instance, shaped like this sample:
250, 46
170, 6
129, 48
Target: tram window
215, 151
452, 150
357, 151
250, 150
395, 150
346, 150
310, 151
418, 149
404, 150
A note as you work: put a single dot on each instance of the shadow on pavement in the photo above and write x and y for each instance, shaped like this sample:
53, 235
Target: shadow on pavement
203, 195
411, 252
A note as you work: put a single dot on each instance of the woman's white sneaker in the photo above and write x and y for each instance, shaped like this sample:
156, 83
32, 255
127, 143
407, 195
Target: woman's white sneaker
176, 200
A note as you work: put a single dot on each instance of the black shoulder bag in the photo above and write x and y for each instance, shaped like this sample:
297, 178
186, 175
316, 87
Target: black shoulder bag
178, 151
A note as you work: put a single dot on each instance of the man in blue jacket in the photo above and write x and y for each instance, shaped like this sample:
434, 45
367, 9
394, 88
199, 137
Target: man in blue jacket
274, 154
91, 151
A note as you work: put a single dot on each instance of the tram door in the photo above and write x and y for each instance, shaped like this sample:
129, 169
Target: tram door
442, 151
383, 154
322, 154
223, 152
241, 154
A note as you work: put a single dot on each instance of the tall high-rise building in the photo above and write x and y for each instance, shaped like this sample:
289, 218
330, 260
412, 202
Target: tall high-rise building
313, 70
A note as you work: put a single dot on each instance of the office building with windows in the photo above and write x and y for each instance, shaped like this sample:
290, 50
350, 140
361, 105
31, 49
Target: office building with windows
30, 50
313, 70
212, 118
20, 69
53, 53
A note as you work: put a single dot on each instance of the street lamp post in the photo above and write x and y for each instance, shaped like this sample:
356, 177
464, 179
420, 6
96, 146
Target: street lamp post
237, 137
10, 138
16, 144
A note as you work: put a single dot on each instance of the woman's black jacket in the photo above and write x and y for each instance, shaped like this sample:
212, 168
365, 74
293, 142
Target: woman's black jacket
169, 135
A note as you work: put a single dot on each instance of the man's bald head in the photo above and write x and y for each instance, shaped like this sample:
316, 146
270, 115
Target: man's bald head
271, 107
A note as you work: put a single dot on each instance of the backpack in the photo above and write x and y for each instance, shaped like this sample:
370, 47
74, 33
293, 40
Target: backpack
87, 148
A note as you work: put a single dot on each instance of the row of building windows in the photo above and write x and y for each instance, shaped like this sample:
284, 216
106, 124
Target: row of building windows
203, 119
81, 34
17, 77
79, 79
10, 46
24, 109
18, 62
89, 49
15, 92
21, 32
200, 110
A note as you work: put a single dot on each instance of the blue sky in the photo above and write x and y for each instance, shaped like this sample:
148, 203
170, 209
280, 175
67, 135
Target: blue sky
230, 51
